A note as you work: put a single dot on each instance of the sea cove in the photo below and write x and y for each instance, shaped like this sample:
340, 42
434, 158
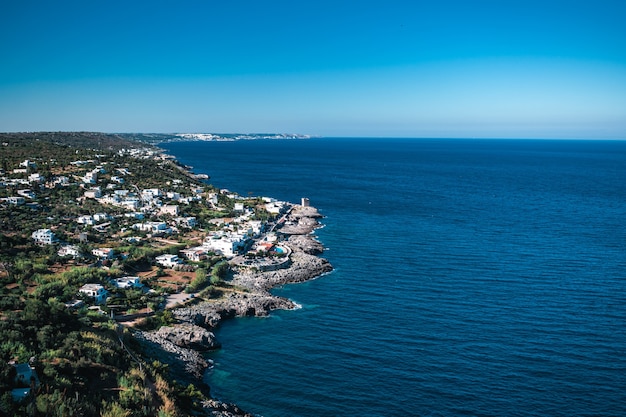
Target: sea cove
471, 277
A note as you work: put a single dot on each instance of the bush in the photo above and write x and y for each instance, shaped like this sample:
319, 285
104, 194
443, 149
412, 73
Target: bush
199, 282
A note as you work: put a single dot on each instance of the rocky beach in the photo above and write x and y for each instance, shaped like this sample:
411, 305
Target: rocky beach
182, 344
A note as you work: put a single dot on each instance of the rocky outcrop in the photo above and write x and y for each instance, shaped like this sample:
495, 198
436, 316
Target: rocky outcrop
183, 362
236, 304
188, 336
303, 267
306, 244
220, 409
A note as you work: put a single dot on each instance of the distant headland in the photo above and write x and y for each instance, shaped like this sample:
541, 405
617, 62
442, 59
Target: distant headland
155, 138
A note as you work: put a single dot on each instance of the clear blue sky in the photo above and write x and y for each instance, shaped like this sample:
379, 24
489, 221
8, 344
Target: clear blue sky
479, 68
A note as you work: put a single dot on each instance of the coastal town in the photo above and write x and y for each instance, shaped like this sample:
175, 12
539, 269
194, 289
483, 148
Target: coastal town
121, 244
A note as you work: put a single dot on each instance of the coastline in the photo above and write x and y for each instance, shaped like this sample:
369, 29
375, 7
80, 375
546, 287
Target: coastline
180, 346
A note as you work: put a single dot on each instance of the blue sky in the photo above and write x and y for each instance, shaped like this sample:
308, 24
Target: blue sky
480, 68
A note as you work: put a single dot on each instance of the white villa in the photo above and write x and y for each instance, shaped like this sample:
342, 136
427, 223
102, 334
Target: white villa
150, 193
87, 219
168, 261
153, 227
194, 254
27, 193
103, 253
69, 250
101, 217
36, 177
169, 209
95, 192
228, 244
276, 207
189, 222
44, 237
127, 282
95, 291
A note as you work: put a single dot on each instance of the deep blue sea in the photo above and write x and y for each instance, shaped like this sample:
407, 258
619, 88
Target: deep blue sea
473, 278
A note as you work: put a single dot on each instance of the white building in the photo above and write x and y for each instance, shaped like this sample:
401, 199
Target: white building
173, 195
150, 193
43, 237
69, 250
17, 201
276, 207
172, 210
226, 244
212, 198
91, 177
103, 253
35, 178
135, 215
189, 222
62, 180
28, 164
27, 193
168, 261
127, 282
196, 254
95, 291
95, 192
88, 220
153, 227
129, 203
101, 217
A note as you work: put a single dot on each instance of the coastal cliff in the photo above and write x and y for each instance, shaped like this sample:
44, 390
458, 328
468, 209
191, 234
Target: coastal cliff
180, 346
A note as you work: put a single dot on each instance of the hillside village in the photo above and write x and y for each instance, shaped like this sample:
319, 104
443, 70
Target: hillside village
109, 238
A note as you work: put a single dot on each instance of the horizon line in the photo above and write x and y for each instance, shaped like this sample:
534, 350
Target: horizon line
312, 136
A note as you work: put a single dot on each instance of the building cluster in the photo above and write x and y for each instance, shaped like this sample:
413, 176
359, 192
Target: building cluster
151, 212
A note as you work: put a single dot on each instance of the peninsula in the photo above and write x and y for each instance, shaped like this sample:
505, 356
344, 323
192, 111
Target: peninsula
116, 265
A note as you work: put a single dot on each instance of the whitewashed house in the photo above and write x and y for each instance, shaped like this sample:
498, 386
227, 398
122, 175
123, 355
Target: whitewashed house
227, 244
69, 250
94, 193
27, 193
172, 195
127, 282
171, 210
28, 164
135, 215
153, 227
44, 237
86, 220
212, 198
91, 177
189, 222
36, 177
94, 291
276, 207
103, 253
101, 217
196, 254
168, 261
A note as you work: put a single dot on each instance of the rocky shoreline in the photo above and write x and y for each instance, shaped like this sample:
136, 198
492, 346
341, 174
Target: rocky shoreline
180, 346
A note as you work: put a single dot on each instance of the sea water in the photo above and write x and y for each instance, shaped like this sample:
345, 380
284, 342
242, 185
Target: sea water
472, 278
